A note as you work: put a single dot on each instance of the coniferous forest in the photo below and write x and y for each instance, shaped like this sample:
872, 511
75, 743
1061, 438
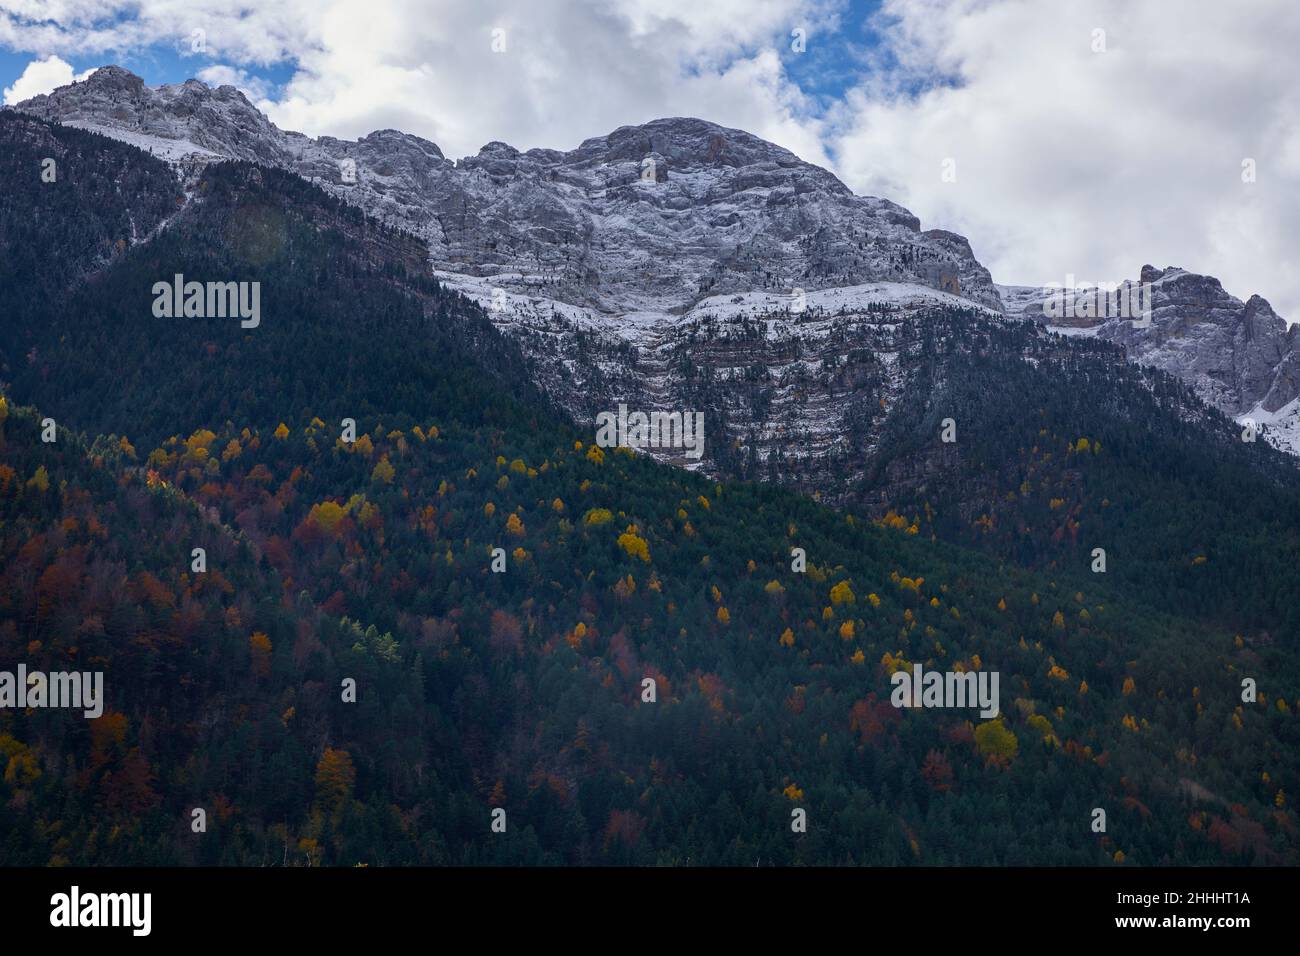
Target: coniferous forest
472, 607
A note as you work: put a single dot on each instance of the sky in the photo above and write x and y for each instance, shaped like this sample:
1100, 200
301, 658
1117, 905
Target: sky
1068, 140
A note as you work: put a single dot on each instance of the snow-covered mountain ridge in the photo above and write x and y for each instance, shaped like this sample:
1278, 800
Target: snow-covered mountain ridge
620, 263
1240, 357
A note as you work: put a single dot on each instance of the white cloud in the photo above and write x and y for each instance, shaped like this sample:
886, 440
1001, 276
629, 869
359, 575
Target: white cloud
42, 76
569, 71
1071, 161
255, 88
1068, 161
571, 68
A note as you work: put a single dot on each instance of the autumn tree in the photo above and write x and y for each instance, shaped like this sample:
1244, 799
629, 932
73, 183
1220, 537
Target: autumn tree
994, 740
335, 777
937, 771
383, 471
259, 645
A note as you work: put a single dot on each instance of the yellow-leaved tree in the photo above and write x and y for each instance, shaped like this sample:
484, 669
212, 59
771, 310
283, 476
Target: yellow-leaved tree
634, 545
383, 471
326, 516
40, 480
994, 740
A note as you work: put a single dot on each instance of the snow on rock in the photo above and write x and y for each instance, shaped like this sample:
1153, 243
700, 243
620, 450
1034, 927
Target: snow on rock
1240, 357
682, 262
1280, 427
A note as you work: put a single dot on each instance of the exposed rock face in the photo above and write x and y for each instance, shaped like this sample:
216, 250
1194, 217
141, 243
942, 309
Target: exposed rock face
1238, 356
675, 265
658, 216
653, 216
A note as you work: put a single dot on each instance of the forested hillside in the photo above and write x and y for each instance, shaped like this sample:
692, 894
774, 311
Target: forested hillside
372, 561
1063, 447
72, 202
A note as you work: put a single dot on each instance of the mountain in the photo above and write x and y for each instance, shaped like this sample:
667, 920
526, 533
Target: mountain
1240, 357
713, 210
523, 689
840, 391
612, 262
680, 264
88, 352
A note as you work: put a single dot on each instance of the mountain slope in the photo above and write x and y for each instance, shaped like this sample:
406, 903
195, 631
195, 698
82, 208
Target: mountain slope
843, 397
1239, 357
523, 689
53, 234
96, 346
731, 209
617, 266
604, 262
1061, 446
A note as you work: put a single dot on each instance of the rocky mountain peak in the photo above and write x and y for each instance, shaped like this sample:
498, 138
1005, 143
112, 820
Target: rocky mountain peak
654, 216
1238, 356
172, 121
111, 77
685, 142
498, 148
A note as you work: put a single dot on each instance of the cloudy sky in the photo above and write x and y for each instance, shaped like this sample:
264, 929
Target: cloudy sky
1080, 137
